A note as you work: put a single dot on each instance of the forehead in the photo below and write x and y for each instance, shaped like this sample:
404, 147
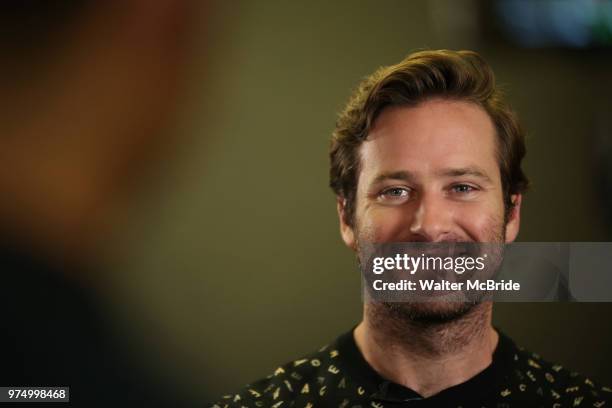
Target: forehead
432, 136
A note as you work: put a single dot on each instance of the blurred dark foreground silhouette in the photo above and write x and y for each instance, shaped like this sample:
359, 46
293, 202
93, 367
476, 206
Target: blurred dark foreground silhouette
90, 90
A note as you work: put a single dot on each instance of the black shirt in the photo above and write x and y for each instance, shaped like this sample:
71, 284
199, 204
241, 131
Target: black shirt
337, 375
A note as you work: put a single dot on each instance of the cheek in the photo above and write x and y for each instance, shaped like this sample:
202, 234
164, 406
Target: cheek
384, 224
481, 223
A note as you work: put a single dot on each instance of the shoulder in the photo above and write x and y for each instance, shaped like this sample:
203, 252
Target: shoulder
563, 387
300, 378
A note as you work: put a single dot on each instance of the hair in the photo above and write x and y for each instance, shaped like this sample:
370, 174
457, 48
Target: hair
453, 75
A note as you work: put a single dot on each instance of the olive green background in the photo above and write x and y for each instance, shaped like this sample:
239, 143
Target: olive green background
236, 262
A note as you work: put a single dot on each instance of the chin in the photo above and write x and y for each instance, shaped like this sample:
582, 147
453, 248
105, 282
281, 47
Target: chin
428, 313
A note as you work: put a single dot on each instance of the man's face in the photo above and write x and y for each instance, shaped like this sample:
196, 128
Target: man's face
429, 173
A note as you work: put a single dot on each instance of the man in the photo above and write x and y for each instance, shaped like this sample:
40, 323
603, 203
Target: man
426, 151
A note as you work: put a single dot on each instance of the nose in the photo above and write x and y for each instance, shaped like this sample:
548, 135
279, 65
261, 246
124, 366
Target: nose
432, 219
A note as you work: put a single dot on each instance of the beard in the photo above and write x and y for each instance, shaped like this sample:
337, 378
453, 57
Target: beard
425, 313
428, 310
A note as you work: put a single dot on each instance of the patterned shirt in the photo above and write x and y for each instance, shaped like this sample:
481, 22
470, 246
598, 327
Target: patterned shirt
338, 376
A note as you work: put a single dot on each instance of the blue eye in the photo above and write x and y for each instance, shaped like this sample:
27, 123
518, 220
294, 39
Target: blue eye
394, 195
396, 192
463, 188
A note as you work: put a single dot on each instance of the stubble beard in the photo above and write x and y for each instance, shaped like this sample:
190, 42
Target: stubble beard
397, 316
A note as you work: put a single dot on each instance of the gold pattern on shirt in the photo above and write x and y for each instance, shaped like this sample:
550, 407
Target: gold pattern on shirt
333, 369
531, 376
289, 386
533, 364
254, 393
299, 362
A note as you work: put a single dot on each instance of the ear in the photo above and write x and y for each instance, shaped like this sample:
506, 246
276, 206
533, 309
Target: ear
514, 220
346, 231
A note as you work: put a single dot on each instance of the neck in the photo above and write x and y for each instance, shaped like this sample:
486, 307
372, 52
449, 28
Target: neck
427, 357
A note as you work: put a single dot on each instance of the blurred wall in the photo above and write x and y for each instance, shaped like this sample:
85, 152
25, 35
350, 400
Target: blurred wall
238, 265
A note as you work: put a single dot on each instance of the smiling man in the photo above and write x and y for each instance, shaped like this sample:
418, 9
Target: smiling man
426, 151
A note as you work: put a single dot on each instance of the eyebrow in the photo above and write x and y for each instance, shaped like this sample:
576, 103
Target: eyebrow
451, 172
395, 175
465, 171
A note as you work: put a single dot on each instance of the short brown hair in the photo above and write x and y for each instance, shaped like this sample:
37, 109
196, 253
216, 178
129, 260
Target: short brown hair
456, 75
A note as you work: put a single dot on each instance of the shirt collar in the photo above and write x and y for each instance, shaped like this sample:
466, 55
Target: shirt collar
380, 389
